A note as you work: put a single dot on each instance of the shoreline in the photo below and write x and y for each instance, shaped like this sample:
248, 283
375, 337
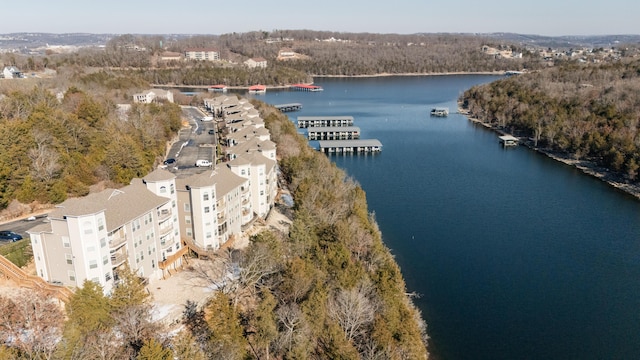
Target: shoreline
230, 87
587, 167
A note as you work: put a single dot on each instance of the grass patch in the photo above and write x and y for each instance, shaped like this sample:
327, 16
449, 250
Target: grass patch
19, 252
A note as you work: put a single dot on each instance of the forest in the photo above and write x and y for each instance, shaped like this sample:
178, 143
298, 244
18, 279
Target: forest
588, 112
327, 289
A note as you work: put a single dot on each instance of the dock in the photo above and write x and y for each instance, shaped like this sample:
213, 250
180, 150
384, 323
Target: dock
349, 146
508, 140
305, 87
333, 133
288, 107
324, 121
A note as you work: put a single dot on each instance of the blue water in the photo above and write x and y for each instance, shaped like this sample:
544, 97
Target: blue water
515, 256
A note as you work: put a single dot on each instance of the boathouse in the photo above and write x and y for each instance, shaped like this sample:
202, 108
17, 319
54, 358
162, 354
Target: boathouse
257, 89
315, 121
333, 133
508, 140
349, 146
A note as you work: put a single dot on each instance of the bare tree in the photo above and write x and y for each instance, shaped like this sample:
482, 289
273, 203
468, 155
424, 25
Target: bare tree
43, 158
32, 323
353, 309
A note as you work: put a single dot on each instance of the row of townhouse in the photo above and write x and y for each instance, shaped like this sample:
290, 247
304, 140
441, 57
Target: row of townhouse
151, 223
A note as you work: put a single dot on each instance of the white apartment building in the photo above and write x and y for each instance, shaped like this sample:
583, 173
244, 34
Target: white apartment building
90, 238
149, 96
208, 54
262, 174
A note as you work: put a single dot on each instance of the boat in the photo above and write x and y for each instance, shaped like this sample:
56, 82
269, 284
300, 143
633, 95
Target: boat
440, 112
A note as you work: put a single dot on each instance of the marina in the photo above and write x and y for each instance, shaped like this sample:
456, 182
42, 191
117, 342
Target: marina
218, 88
324, 121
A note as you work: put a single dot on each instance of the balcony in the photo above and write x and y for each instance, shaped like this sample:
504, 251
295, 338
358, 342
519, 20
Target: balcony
166, 230
118, 259
166, 242
164, 214
222, 215
117, 241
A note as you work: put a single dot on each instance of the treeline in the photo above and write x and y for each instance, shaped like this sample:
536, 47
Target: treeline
52, 148
589, 112
354, 54
328, 289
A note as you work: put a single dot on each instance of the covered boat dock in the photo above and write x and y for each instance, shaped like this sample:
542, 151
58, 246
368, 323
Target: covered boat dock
333, 133
349, 146
326, 121
508, 140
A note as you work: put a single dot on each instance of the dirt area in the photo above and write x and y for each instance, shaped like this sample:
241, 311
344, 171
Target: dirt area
172, 293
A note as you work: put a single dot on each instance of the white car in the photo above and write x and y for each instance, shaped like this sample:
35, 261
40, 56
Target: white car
203, 163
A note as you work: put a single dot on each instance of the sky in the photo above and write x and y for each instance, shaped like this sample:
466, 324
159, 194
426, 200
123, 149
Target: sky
536, 17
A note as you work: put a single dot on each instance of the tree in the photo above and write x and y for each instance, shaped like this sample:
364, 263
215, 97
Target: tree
227, 341
32, 323
185, 347
153, 350
353, 309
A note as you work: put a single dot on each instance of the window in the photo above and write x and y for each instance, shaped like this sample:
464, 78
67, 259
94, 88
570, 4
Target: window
93, 264
91, 248
205, 196
65, 242
103, 242
189, 232
69, 258
105, 260
163, 189
206, 209
208, 235
88, 227
100, 224
187, 219
172, 190
72, 275
187, 207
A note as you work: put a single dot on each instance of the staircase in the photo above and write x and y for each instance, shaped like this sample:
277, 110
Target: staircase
24, 280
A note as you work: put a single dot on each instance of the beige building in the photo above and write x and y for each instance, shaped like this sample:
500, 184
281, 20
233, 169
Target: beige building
256, 63
149, 96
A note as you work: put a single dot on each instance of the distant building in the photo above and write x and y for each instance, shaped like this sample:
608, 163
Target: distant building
170, 56
11, 72
202, 54
149, 96
256, 63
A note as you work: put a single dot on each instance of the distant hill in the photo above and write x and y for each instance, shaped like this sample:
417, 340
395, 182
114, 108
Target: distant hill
594, 41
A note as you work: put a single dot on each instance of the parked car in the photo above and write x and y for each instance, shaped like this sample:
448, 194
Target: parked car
200, 163
10, 235
212, 131
169, 161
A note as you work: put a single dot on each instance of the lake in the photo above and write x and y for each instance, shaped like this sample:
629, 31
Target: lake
513, 255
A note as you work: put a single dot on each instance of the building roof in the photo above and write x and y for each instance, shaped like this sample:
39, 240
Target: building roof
120, 205
159, 175
334, 129
348, 143
200, 49
226, 180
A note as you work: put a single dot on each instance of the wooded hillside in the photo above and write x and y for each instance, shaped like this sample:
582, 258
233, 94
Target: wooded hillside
586, 111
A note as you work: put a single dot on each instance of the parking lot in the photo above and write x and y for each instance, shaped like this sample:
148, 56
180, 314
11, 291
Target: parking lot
196, 142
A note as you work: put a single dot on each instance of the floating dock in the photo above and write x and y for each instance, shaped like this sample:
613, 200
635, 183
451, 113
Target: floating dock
333, 133
257, 89
288, 107
218, 88
508, 140
324, 121
349, 146
305, 87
